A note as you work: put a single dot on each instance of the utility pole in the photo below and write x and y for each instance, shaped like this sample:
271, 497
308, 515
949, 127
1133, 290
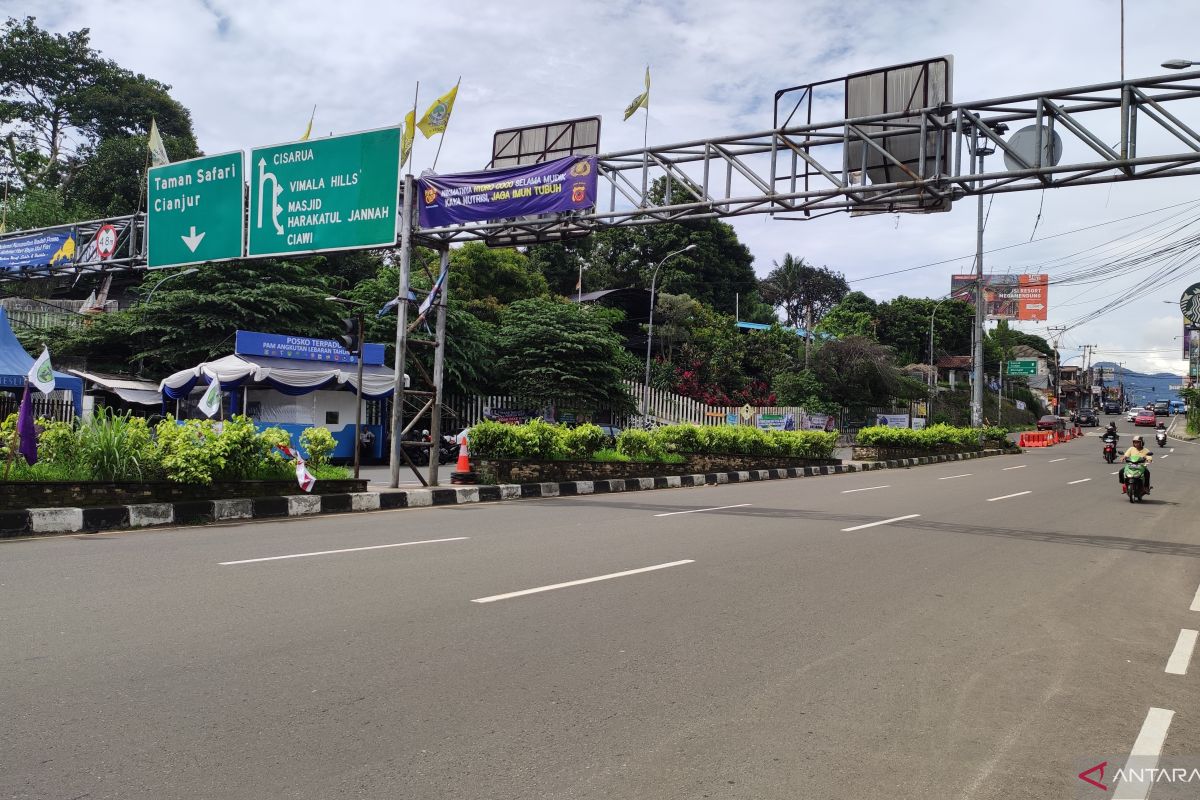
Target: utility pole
1057, 368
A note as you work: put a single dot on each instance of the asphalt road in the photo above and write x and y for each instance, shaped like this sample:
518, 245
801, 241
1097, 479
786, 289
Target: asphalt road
763, 640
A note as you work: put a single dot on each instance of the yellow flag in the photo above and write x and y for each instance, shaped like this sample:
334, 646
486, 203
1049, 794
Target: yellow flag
642, 100
158, 152
406, 138
308, 130
438, 115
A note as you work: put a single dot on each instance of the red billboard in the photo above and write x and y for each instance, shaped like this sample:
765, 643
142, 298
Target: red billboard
1013, 297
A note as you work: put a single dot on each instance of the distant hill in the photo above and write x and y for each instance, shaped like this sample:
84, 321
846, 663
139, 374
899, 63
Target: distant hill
1141, 387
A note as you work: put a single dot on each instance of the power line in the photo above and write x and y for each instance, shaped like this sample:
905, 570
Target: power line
1021, 244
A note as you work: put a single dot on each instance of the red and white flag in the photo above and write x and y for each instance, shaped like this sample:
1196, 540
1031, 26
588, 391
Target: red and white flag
304, 477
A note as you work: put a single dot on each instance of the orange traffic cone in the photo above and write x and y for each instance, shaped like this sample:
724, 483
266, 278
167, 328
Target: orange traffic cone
462, 471
464, 458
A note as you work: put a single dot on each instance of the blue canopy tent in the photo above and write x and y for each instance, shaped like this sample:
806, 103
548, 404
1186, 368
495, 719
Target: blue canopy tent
15, 364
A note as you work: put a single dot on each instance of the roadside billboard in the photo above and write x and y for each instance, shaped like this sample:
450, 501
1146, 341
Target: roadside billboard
1022, 298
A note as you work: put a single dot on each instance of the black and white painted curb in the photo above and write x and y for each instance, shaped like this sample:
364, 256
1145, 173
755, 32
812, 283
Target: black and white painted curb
37, 521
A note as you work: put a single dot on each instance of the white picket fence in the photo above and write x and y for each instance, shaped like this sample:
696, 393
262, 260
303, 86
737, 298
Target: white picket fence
662, 408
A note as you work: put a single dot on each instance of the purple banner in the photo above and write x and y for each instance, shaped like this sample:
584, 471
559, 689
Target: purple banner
567, 184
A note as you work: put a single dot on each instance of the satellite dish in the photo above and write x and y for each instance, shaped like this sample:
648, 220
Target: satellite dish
1025, 144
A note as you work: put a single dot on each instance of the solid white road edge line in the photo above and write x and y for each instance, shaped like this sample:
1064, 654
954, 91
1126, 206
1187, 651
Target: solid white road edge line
1006, 496
952, 477
347, 550
1181, 656
699, 510
1022, 466
866, 489
1144, 756
1053, 460
1081, 480
881, 522
610, 576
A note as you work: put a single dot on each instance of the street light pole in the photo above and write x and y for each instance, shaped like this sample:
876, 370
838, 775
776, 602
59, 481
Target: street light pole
150, 295
650, 327
932, 368
358, 389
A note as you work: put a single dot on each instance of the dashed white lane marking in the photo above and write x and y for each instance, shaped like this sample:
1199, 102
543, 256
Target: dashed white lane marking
1081, 480
952, 477
881, 522
1181, 656
1195, 602
610, 576
1055, 460
1022, 466
1167, 455
347, 550
1144, 757
1114, 473
700, 510
866, 489
1006, 496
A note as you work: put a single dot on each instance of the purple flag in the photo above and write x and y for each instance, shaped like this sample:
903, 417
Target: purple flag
26, 429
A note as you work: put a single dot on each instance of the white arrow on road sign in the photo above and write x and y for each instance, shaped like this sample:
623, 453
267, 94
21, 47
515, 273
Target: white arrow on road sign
1034, 306
193, 241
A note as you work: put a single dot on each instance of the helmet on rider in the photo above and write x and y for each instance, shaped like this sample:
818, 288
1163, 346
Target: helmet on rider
1138, 440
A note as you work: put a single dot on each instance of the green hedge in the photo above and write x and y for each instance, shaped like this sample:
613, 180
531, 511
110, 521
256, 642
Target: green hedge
543, 441
120, 447
932, 438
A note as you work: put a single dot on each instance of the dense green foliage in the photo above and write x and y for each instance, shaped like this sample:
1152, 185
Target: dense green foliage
930, 438
553, 351
669, 443
115, 447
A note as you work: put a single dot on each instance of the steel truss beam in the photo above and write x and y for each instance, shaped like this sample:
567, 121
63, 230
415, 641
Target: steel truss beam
1111, 132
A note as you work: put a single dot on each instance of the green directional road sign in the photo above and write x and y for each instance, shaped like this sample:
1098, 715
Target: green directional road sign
195, 211
1022, 366
325, 194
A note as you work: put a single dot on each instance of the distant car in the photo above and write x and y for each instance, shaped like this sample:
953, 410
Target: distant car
611, 432
1112, 407
1051, 422
1162, 408
1132, 413
1087, 418
1145, 418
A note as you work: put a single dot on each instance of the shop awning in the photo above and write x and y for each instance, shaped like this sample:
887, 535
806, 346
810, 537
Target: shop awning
290, 376
130, 390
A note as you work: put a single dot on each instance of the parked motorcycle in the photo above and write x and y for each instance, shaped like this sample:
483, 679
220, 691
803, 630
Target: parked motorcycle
1134, 473
1110, 447
448, 451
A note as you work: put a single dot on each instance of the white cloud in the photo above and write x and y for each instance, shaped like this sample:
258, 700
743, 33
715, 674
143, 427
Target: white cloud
251, 70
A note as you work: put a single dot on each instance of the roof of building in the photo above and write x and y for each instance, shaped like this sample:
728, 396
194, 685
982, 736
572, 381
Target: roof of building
954, 362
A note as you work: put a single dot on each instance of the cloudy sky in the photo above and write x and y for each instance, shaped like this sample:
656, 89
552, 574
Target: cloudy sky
251, 71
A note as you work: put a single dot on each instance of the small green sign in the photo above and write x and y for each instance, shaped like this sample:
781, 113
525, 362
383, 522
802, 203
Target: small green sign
1022, 366
337, 193
195, 210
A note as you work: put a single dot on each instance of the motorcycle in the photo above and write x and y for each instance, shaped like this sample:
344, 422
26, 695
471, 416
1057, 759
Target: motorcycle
448, 452
1134, 473
1161, 438
1110, 448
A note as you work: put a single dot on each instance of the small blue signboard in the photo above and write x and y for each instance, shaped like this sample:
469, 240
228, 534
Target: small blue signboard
302, 348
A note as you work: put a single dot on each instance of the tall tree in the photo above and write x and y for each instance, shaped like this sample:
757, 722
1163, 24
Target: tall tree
719, 273
61, 103
556, 351
193, 318
857, 372
804, 292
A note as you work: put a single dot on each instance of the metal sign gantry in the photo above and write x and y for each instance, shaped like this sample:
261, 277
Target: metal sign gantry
807, 170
